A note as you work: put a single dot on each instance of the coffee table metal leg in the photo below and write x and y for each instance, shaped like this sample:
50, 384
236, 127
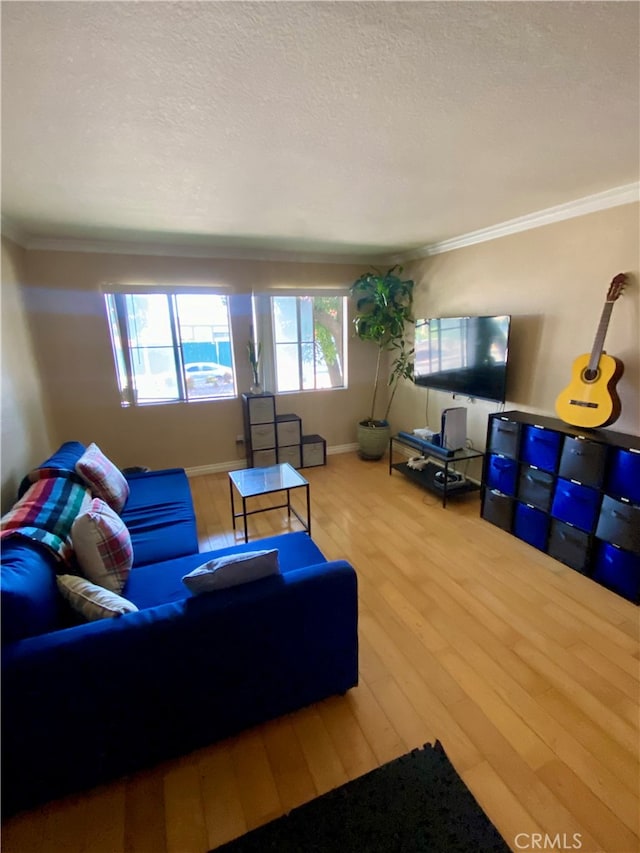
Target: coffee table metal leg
308, 510
288, 503
244, 516
233, 508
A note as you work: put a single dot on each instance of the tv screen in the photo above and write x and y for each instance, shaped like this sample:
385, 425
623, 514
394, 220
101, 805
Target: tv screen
463, 355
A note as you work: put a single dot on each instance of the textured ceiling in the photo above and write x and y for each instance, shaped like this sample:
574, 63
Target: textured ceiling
324, 127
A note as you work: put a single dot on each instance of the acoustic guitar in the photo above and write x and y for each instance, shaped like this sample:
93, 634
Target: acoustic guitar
590, 400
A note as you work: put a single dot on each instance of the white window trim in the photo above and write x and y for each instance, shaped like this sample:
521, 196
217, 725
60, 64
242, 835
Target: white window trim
264, 331
127, 394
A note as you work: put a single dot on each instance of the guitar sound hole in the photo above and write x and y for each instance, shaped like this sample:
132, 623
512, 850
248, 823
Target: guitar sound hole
590, 375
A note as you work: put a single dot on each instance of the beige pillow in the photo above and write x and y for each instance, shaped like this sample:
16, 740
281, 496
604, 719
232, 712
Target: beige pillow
232, 570
102, 545
92, 601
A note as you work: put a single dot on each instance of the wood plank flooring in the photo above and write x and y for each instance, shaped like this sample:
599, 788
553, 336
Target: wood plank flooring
527, 672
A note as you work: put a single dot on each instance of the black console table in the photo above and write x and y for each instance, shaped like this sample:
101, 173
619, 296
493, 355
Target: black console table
435, 474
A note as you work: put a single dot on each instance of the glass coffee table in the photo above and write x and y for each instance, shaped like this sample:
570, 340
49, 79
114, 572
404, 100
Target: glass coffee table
251, 482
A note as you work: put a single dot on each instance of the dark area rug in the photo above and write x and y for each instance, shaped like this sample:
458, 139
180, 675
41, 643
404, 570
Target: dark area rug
417, 803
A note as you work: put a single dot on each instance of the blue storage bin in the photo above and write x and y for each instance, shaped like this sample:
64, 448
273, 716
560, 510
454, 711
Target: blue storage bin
576, 504
618, 570
502, 474
531, 525
541, 447
623, 480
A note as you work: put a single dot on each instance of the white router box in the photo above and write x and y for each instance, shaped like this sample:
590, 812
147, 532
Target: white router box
454, 428
424, 432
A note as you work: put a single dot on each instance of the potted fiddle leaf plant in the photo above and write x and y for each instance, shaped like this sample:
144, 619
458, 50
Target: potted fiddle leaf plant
383, 304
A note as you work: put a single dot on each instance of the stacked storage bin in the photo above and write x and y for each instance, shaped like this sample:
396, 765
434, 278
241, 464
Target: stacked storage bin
574, 495
616, 560
271, 438
289, 436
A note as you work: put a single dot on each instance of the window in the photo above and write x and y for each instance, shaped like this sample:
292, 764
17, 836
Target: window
171, 347
308, 342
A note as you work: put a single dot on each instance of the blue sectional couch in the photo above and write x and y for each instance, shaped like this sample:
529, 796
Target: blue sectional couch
86, 703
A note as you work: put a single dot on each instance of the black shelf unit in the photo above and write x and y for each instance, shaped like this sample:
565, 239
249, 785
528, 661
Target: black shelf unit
271, 438
570, 492
427, 476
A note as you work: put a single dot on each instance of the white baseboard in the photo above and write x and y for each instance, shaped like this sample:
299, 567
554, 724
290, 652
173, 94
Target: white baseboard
342, 448
216, 468
237, 464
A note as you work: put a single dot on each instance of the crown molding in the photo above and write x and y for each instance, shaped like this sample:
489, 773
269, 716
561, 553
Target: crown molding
174, 250
615, 197
13, 233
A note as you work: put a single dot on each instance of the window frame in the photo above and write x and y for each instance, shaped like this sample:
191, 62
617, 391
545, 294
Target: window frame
264, 322
116, 299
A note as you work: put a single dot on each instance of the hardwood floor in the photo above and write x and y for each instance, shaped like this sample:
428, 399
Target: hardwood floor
527, 672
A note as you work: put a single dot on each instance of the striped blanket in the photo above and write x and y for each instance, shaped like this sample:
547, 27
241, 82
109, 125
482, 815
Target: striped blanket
47, 510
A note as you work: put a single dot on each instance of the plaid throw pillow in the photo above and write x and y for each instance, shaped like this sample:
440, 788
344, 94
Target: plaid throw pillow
102, 545
103, 478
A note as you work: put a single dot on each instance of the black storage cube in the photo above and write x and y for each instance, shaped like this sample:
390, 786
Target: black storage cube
575, 504
618, 570
535, 487
619, 523
540, 447
569, 545
504, 438
497, 508
502, 474
624, 474
583, 460
531, 525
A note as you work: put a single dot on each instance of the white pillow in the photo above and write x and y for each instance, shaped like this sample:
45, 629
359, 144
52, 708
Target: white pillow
102, 545
92, 601
232, 570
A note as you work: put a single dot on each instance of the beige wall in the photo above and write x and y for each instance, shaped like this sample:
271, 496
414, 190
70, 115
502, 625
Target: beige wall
64, 299
25, 438
553, 281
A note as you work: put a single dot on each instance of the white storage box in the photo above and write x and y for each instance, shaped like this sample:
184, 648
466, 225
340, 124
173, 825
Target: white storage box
314, 451
291, 454
288, 430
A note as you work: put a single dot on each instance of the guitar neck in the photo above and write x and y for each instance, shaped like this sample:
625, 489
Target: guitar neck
598, 344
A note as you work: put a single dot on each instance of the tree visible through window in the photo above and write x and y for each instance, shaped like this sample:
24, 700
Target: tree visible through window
308, 342
170, 347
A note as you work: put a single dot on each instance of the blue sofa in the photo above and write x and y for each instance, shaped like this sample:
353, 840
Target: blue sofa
86, 703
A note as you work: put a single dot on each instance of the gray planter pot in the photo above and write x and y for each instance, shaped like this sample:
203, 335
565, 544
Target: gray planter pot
373, 440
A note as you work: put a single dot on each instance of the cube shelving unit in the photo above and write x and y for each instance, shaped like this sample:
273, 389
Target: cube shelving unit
271, 438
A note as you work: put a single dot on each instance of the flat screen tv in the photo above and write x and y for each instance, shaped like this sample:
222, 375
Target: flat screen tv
463, 355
